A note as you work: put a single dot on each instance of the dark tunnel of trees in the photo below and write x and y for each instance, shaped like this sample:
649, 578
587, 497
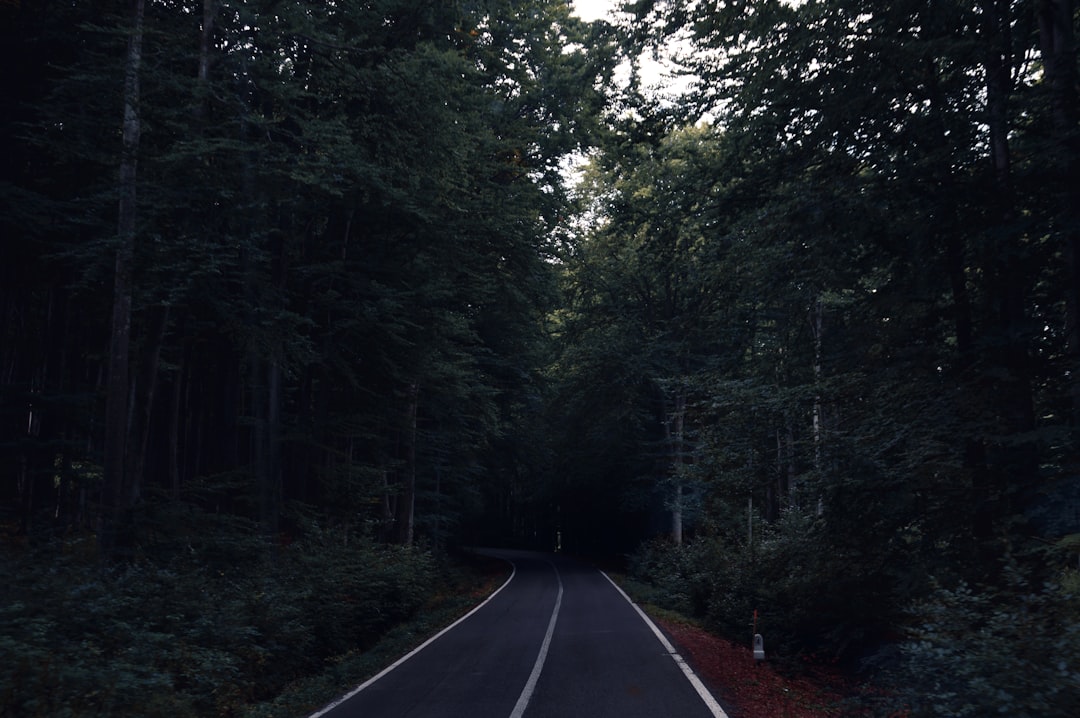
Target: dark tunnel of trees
291, 290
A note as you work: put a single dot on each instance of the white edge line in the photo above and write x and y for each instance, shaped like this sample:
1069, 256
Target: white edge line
702, 691
416, 650
538, 667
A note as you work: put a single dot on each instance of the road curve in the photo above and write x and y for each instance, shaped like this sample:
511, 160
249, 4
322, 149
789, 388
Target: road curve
557, 640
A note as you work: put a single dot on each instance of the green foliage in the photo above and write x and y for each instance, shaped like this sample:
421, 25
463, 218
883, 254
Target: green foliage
808, 600
344, 216
858, 275
684, 578
200, 632
983, 650
838, 301
345, 219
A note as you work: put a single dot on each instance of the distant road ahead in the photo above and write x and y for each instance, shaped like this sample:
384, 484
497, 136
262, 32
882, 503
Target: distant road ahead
557, 641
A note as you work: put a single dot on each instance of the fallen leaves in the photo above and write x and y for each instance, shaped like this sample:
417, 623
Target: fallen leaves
749, 689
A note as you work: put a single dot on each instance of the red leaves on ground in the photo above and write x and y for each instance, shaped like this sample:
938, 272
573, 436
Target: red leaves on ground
748, 689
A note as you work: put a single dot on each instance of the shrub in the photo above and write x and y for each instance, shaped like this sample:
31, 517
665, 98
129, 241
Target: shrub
680, 574
197, 631
810, 595
978, 651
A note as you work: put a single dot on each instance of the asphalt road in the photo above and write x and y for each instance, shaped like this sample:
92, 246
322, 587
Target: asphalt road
557, 640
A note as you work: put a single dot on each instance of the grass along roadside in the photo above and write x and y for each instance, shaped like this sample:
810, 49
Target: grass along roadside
468, 584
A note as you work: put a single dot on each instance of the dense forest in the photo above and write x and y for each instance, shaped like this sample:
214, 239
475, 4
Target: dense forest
298, 297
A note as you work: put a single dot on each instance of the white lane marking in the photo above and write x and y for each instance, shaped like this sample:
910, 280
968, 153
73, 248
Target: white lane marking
538, 667
416, 650
702, 691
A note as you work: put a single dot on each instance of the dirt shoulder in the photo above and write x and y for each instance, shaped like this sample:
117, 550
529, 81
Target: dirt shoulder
750, 689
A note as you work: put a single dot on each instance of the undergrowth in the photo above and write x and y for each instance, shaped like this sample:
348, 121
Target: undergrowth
959, 650
222, 626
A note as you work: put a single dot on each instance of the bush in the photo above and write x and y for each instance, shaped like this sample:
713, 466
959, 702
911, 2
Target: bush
75, 643
810, 595
680, 574
186, 633
980, 651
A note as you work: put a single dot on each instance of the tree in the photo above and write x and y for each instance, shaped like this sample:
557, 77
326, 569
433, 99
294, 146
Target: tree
339, 230
887, 120
649, 277
1057, 44
883, 250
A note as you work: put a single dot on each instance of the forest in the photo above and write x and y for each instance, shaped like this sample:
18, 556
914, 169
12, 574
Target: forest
298, 298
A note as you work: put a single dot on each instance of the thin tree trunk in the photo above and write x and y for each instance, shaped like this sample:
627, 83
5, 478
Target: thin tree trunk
114, 492
1058, 44
998, 67
1018, 462
272, 487
675, 436
389, 507
174, 428
950, 235
143, 405
774, 490
788, 488
265, 444
817, 325
206, 43
206, 39
406, 502
782, 488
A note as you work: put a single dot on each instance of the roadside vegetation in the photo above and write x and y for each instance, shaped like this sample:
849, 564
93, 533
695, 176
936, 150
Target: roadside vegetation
822, 334
973, 650
295, 295
206, 621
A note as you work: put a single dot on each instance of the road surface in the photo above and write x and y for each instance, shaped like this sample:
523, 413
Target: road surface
557, 640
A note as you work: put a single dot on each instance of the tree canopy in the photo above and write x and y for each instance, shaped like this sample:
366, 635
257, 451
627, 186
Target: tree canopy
859, 276
803, 341
336, 222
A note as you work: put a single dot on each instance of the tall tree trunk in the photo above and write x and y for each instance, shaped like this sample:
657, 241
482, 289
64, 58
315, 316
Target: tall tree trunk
206, 43
388, 530
115, 494
406, 502
820, 423
817, 326
1015, 465
998, 64
1058, 44
782, 489
179, 434
173, 450
774, 490
267, 401
206, 40
951, 237
142, 404
675, 436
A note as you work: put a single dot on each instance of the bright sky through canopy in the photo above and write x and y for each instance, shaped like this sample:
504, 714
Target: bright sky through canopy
658, 71
592, 9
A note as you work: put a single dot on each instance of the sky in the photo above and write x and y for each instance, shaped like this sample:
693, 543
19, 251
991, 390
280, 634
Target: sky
655, 71
592, 9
